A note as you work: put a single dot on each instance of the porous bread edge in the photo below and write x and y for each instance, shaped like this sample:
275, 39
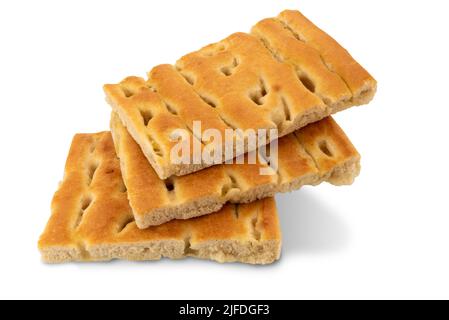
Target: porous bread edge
362, 97
60, 254
200, 207
346, 173
192, 209
245, 251
250, 251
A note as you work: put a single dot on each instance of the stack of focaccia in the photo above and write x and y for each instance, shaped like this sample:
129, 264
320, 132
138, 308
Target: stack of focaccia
148, 189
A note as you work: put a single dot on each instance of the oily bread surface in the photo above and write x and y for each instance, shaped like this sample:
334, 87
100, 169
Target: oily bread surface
91, 219
286, 74
318, 152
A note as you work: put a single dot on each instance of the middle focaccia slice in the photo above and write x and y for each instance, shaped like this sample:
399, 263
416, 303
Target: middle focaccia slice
318, 152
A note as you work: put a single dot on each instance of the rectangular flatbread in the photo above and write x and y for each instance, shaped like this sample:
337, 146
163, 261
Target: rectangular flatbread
285, 74
318, 152
91, 219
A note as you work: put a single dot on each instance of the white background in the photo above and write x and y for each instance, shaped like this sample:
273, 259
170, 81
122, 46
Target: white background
387, 236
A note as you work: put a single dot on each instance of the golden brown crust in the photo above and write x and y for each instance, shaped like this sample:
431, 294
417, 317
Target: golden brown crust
319, 152
91, 219
286, 74
361, 84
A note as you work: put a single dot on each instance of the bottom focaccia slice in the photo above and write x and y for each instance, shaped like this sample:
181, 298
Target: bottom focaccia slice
316, 153
91, 219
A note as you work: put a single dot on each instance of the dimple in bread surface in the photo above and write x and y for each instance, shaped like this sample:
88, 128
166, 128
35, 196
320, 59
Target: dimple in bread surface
286, 74
318, 152
91, 219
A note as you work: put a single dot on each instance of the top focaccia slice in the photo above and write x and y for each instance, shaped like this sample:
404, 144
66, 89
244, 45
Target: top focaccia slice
284, 75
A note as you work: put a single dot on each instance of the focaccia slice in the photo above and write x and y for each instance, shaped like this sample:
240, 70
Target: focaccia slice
318, 152
284, 75
91, 219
